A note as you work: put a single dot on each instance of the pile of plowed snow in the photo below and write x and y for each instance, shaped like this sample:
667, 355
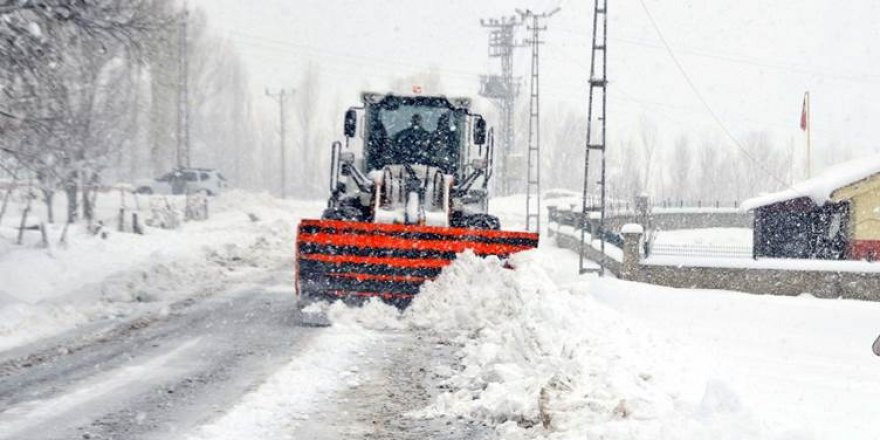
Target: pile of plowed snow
540, 361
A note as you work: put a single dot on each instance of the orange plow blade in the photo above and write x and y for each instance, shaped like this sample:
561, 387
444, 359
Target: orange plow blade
354, 261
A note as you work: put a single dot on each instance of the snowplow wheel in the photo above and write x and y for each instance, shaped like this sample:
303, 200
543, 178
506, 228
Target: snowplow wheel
476, 221
346, 213
483, 221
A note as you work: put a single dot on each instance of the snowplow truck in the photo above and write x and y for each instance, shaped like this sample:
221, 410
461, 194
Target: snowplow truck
401, 208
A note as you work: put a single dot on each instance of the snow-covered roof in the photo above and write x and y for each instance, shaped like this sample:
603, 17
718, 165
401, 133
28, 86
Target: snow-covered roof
820, 188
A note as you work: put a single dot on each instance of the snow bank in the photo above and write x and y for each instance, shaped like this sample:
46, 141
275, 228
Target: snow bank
632, 228
704, 237
540, 361
373, 315
44, 292
800, 364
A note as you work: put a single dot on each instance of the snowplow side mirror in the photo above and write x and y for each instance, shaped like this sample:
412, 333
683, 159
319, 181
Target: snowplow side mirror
350, 123
480, 131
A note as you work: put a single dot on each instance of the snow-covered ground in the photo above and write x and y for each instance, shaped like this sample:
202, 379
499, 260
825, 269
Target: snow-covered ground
802, 366
625, 360
46, 291
533, 350
543, 353
732, 248
705, 237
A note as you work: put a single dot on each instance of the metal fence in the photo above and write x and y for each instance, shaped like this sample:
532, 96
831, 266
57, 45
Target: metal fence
698, 250
672, 203
578, 220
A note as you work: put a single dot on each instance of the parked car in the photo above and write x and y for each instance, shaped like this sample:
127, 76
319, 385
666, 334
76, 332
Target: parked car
183, 181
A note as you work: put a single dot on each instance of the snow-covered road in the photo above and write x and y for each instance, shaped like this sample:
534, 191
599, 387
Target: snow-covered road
159, 374
230, 366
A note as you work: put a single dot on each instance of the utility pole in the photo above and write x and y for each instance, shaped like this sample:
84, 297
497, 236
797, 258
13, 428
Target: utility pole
596, 141
533, 156
281, 98
183, 139
502, 90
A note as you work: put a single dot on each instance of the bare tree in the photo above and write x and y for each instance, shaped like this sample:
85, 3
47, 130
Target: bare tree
709, 163
563, 149
61, 61
648, 140
306, 111
681, 166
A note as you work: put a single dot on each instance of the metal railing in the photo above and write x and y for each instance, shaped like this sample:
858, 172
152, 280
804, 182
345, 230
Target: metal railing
698, 250
690, 204
618, 208
578, 220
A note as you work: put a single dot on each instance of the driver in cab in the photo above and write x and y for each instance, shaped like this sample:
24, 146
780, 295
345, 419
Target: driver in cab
413, 142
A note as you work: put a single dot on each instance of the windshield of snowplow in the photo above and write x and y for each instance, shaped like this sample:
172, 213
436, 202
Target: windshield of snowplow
415, 131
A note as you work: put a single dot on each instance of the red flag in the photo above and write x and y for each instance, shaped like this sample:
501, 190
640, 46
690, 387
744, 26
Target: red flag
804, 111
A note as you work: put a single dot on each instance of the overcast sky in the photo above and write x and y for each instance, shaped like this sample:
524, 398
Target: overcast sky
751, 59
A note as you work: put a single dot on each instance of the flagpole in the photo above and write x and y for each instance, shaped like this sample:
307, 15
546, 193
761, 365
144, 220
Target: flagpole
809, 137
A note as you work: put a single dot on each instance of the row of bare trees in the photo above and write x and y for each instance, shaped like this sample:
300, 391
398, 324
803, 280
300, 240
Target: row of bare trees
67, 71
682, 167
90, 96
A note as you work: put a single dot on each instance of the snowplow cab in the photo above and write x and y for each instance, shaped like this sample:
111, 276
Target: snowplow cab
414, 130
424, 161
399, 212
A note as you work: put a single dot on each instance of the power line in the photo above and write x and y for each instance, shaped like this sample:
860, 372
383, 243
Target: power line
344, 57
705, 103
739, 59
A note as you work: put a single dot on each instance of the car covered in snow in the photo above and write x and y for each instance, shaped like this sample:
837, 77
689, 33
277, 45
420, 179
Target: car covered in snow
184, 181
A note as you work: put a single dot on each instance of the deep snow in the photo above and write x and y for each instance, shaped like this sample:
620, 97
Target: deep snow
602, 358
543, 353
545, 361
801, 365
45, 292
540, 352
